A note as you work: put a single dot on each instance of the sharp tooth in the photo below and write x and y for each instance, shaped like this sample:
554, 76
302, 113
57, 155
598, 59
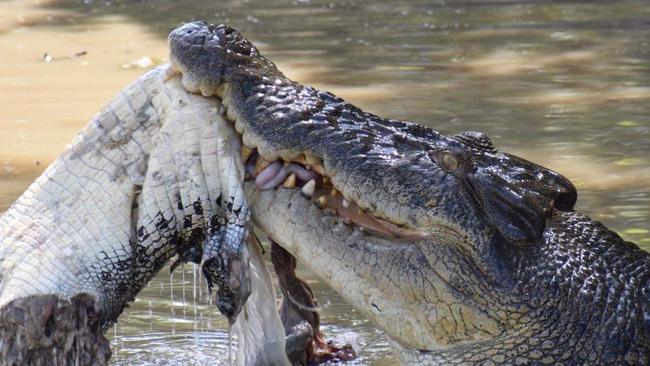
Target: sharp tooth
311, 159
309, 188
326, 179
322, 201
246, 153
300, 159
318, 169
261, 164
346, 203
334, 192
290, 182
347, 220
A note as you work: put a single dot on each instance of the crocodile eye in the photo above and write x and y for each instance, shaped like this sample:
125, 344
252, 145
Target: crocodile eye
449, 162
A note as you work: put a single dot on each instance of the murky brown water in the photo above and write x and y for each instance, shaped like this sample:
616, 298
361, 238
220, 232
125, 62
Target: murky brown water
565, 84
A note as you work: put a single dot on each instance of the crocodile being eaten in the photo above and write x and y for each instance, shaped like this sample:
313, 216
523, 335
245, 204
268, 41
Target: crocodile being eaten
156, 174
459, 252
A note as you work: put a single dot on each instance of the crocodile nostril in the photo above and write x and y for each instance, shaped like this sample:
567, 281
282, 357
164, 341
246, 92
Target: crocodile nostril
565, 200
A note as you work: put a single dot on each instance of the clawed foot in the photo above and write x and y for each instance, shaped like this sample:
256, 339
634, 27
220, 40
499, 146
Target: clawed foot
305, 344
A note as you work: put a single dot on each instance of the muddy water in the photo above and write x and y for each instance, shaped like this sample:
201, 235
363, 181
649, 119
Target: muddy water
567, 85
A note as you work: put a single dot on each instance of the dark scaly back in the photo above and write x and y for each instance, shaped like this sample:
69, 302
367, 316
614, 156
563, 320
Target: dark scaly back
576, 277
373, 161
602, 284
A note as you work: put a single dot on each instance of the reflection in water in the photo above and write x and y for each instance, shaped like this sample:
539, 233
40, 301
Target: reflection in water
566, 84
172, 322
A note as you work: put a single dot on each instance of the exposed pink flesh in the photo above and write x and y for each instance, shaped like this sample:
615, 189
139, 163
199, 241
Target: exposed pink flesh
361, 219
368, 221
301, 172
274, 174
271, 176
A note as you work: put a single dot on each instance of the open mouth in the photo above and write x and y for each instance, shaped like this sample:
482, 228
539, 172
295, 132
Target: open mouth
307, 175
273, 167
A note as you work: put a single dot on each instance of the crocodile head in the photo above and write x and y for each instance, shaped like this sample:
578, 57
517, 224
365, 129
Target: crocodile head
416, 228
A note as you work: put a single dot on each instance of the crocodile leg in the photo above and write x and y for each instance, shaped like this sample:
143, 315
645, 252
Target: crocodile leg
306, 344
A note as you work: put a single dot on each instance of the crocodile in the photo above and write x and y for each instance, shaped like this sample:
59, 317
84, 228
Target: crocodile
156, 174
461, 253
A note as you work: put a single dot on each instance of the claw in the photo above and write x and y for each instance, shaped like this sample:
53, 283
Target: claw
186, 255
225, 266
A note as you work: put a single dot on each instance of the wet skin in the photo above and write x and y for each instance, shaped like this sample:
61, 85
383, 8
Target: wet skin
491, 266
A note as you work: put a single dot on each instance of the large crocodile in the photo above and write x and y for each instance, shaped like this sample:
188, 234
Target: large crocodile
463, 254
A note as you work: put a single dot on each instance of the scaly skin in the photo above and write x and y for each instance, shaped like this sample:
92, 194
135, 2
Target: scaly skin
581, 295
41, 330
504, 272
157, 173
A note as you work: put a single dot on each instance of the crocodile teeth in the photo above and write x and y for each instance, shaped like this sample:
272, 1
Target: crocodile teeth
261, 164
345, 203
317, 168
311, 159
334, 192
246, 153
309, 188
321, 201
290, 182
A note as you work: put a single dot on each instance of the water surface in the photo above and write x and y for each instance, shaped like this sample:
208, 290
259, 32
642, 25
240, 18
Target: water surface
566, 84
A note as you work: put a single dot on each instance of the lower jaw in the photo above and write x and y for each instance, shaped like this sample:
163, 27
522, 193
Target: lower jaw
291, 220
